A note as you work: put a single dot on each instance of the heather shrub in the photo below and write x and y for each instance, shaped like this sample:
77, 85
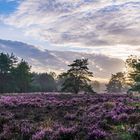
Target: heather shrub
135, 131
109, 105
123, 118
104, 125
42, 134
66, 133
68, 117
97, 134
134, 118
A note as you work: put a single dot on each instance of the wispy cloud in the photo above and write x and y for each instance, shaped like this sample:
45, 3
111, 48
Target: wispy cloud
81, 23
42, 61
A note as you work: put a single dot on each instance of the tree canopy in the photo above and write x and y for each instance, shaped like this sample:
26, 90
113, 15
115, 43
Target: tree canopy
77, 78
133, 67
116, 83
22, 76
14, 76
7, 64
44, 82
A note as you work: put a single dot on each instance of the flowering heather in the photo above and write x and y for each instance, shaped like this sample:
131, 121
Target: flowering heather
97, 134
69, 117
39, 135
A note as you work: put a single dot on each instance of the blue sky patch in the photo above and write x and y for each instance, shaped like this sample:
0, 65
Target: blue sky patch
7, 7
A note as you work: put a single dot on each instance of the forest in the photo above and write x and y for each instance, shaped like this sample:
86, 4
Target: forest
16, 77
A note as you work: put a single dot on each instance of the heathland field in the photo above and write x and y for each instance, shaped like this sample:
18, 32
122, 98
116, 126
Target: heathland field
69, 117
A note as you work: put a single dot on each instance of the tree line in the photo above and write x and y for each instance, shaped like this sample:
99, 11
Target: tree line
126, 81
16, 76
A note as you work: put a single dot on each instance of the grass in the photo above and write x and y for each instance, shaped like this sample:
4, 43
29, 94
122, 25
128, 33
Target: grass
134, 104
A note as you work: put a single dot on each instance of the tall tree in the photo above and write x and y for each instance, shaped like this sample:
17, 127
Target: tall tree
116, 83
133, 69
22, 76
44, 82
77, 78
7, 63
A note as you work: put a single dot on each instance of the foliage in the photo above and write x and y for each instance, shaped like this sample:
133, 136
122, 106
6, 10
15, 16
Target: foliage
125, 136
16, 77
116, 83
22, 76
133, 66
77, 78
44, 82
135, 131
7, 63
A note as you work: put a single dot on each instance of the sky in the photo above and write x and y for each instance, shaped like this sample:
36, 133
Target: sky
102, 27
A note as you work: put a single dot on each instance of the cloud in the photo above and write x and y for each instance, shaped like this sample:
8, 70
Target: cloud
108, 27
83, 22
42, 61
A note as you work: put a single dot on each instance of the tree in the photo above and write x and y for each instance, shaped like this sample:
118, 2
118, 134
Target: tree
133, 72
22, 76
53, 74
116, 83
7, 63
96, 86
44, 82
77, 78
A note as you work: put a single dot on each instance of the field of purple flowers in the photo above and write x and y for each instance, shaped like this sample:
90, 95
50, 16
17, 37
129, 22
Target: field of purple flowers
69, 117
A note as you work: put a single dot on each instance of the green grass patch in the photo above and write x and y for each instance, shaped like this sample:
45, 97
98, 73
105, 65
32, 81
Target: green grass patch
134, 104
125, 136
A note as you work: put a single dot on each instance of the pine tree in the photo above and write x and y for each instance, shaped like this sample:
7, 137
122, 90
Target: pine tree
7, 63
77, 78
22, 76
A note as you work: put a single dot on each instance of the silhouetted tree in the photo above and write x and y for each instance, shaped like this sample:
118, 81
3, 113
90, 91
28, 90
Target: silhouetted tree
77, 78
44, 82
133, 68
22, 76
35, 86
53, 74
7, 63
116, 83
16, 77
